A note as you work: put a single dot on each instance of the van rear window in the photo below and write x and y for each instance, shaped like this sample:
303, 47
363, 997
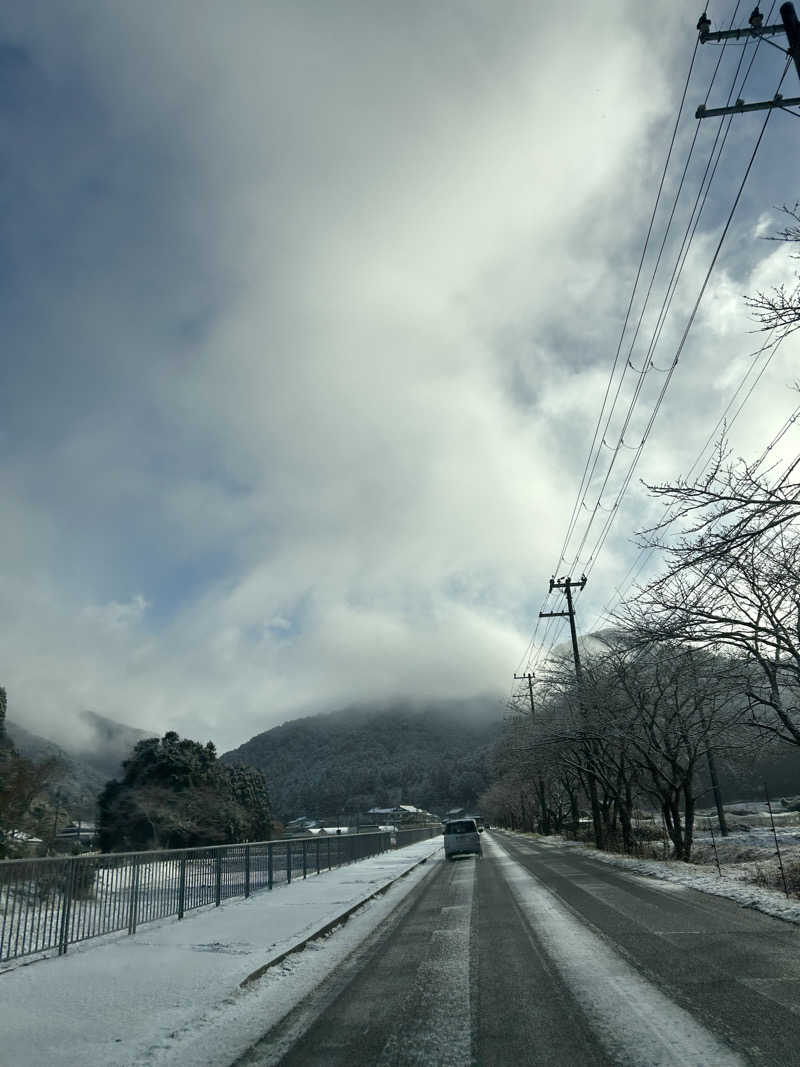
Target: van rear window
464, 826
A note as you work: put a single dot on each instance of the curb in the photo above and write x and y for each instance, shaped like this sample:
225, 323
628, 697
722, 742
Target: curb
259, 972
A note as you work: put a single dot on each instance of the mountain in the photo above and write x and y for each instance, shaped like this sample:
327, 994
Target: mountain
434, 756
76, 784
101, 746
108, 743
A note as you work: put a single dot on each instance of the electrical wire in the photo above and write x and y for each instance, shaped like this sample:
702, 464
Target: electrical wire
677, 270
612, 512
586, 480
526, 658
690, 322
646, 552
648, 363
576, 505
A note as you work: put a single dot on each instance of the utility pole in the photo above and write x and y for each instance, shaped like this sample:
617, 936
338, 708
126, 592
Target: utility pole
541, 789
529, 676
789, 25
568, 585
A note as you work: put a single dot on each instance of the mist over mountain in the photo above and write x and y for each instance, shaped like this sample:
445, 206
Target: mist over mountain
75, 785
108, 743
99, 747
433, 755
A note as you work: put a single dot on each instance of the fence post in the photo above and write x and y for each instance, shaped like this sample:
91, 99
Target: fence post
305, 858
246, 871
218, 877
317, 843
329, 853
269, 865
182, 887
66, 907
288, 862
134, 901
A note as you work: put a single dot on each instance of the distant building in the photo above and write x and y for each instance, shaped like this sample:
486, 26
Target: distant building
23, 844
84, 832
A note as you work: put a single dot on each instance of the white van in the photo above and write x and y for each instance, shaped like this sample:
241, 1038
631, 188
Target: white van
461, 838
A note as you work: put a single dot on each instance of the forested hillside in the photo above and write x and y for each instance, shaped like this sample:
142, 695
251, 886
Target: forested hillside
435, 756
74, 784
96, 755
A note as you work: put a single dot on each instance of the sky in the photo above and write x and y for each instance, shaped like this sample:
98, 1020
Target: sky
308, 311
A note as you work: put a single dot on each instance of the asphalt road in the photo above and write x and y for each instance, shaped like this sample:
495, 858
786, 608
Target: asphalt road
538, 955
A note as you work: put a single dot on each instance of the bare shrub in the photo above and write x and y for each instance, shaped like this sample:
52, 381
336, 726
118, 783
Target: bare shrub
768, 876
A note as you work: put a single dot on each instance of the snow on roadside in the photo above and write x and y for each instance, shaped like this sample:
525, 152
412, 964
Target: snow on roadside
702, 877
225, 1032
171, 993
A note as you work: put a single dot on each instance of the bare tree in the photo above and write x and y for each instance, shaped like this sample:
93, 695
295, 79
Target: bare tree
733, 505
22, 784
679, 705
744, 601
779, 308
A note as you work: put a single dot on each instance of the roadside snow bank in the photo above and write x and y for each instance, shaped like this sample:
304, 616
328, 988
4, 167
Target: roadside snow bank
704, 878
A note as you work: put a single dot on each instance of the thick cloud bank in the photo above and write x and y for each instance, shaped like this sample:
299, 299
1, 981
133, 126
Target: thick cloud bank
308, 310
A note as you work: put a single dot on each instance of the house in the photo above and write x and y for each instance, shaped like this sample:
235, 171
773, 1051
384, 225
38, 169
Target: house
22, 844
84, 832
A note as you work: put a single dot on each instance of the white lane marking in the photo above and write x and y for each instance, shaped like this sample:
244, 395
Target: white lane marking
636, 1023
441, 1032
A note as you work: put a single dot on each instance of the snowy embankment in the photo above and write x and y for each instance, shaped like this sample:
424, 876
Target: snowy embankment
176, 992
742, 854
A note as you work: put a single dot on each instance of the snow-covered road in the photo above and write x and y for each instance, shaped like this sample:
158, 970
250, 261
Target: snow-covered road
536, 954
569, 962
633, 1020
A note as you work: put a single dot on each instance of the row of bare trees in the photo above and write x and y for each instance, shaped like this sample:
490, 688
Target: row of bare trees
702, 663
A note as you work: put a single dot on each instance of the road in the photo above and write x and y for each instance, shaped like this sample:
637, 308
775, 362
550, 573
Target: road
537, 954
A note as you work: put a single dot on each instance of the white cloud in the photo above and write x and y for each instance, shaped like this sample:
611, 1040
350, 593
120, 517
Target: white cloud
329, 322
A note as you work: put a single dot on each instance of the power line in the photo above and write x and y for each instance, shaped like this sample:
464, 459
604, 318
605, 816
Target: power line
634, 463
576, 505
677, 270
647, 551
648, 363
586, 480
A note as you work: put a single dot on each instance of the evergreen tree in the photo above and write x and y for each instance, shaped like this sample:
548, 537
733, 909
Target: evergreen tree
174, 793
4, 741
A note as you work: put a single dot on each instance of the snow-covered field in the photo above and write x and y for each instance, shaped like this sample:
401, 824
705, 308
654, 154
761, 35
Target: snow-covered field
171, 993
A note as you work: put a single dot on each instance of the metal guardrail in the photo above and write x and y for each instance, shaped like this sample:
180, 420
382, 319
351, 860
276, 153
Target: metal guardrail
49, 904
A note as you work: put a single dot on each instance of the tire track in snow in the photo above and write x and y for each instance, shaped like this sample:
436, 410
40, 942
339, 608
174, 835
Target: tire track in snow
636, 1023
439, 1032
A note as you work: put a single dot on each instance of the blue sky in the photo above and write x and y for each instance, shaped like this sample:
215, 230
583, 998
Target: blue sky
307, 312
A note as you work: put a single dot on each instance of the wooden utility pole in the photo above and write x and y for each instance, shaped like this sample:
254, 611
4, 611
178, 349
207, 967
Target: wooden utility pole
529, 676
789, 25
541, 789
568, 585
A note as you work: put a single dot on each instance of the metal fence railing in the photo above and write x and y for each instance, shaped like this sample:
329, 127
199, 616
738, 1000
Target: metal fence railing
49, 904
